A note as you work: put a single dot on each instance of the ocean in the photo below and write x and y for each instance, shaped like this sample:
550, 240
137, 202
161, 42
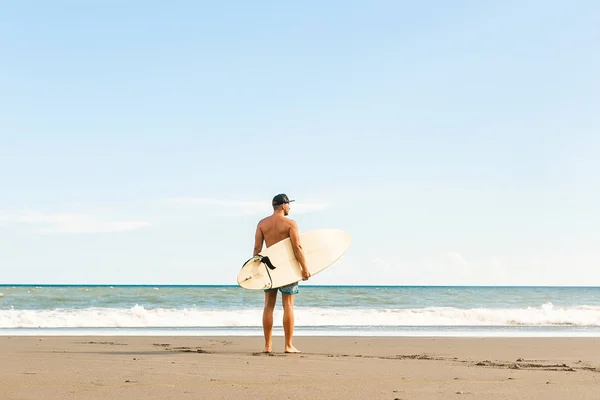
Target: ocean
319, 310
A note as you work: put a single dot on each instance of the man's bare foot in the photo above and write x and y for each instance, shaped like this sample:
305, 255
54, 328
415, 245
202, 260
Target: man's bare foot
291, 349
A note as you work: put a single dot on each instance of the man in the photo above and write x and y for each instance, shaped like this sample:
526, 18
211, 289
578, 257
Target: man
271, 230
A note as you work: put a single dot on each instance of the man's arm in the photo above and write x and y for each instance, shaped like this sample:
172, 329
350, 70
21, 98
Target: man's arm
297, 247
258, 240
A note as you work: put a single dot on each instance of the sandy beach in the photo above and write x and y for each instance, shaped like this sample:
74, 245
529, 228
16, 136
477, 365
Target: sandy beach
100, 367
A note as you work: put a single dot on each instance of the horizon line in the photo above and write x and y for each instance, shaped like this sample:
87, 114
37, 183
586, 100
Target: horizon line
305, 285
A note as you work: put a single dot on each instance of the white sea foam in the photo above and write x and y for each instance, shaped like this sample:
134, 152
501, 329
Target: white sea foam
139, 317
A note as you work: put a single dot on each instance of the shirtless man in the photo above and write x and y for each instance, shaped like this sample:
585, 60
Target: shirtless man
273, 229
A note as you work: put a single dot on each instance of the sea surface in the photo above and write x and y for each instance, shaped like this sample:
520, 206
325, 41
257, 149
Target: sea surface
319, 310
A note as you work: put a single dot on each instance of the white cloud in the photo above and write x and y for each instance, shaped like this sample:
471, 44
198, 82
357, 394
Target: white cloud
55, 223
239, 207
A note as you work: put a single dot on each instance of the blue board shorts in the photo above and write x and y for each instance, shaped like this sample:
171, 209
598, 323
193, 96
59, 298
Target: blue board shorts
292, 288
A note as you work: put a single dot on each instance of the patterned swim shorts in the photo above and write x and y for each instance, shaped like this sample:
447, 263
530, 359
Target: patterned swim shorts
292, 288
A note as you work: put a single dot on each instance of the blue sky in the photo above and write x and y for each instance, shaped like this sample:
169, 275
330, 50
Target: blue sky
458, 142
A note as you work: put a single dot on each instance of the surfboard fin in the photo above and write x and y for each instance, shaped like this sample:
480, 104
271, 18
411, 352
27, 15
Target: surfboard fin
265, 260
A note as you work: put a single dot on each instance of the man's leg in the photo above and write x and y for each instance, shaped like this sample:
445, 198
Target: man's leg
270, 300
288, 322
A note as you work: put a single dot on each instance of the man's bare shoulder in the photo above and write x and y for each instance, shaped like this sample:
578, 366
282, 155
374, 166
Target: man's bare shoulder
264, 220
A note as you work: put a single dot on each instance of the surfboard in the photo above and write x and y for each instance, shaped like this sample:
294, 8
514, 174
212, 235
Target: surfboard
277, 266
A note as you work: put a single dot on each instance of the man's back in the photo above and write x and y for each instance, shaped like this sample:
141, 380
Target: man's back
275, 228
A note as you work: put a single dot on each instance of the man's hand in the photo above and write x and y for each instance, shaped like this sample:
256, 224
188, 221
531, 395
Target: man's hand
305, 274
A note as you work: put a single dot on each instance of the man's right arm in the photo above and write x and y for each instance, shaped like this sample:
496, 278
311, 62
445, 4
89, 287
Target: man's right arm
298, 252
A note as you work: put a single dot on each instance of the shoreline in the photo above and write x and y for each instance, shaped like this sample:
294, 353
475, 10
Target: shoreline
385, 332
221, 367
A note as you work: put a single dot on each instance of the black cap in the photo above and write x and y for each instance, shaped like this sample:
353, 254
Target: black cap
281, 199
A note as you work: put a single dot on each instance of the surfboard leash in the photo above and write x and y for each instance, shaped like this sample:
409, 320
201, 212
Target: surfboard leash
268, 265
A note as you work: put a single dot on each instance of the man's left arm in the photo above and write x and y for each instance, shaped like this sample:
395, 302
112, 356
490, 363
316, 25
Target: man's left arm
258, 241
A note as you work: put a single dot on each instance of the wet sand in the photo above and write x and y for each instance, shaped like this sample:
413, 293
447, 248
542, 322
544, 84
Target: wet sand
149, 367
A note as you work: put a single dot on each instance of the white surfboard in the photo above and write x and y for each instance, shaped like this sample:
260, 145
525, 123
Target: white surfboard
277, 266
